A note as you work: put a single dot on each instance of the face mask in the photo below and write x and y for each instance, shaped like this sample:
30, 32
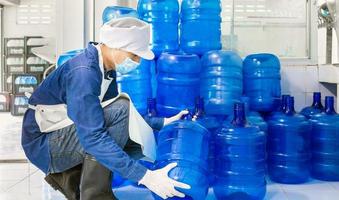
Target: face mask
126, 66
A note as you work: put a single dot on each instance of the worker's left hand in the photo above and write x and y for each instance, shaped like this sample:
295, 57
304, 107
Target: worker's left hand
176, 117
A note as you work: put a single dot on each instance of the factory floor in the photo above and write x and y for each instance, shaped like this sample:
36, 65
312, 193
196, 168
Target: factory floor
23, 181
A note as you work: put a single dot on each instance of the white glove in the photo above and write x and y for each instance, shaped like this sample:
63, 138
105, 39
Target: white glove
175, 118
158, 182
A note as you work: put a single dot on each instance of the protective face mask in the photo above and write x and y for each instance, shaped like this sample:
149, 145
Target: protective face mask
126, 66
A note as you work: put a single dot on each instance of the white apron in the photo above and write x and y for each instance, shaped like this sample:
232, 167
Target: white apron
54, 117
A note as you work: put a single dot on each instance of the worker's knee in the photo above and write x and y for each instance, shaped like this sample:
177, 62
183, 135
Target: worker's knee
117, 111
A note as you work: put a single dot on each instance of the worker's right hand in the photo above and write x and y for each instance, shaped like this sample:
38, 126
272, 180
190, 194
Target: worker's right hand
158, 182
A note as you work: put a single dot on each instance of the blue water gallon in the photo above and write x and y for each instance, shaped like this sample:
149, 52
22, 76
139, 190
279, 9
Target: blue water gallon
211, 123
200, 26
137, 84
163, 15
289, 146
315, 108
325, 143
186, 143
262, 81
113, 12
240, 164
67, 56
221, 81
178, 82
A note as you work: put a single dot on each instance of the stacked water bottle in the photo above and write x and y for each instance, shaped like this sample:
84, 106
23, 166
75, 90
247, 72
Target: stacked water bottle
240, 128
22, 84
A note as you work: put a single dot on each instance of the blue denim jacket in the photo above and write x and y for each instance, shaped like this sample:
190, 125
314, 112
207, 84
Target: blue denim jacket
77, 84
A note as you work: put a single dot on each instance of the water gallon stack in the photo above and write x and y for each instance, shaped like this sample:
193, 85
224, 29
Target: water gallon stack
192, 165
289, 146
325, 143
262, 81
221, 81
315, 108
137, 84
200, 26
164, 19
178, 82
240, 159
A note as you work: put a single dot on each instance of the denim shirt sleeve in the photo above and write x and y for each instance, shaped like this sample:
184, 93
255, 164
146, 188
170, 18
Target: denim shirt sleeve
84, 108
154, 122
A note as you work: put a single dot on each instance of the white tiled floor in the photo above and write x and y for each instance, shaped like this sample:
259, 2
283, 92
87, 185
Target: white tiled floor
25, 182
10, 137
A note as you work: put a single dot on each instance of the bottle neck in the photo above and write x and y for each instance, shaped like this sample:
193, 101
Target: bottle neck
239, 115
246, 101
151, 107
283, 102
290, 106
317, 100
329, 106
199, 107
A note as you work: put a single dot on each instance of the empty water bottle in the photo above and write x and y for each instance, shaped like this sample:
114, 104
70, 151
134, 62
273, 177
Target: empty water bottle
200, 26
178, 82
240, 159
262, 81
163, 16
113, 12
186, 143
315, 108
289, 146
221, 81
325, 143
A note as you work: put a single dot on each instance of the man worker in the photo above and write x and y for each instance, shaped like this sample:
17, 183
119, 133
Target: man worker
79, 157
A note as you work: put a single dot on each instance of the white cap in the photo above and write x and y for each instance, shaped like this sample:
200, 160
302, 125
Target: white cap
128, 34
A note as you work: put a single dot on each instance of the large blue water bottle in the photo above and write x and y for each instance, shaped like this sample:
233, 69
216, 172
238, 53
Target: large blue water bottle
221, 81
186, 143
137, 84
211, 124
163, 15
315, 108
200, 26
289, 146
67, 56
240, 159
178, 82
325, 143
113, 12
262, 81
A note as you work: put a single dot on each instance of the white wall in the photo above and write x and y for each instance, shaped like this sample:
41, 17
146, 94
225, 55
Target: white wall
70, 25
12, 29
301, 81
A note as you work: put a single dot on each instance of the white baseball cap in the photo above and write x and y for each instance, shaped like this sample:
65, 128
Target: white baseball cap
128, 34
